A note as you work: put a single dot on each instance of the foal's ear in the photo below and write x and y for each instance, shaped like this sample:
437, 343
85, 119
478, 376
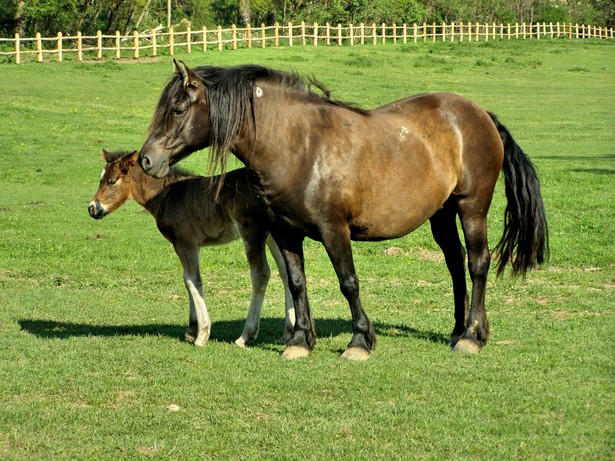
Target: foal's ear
105, 155
192, 83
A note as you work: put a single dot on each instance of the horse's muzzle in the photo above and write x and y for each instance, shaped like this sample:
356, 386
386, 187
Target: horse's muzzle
96, 210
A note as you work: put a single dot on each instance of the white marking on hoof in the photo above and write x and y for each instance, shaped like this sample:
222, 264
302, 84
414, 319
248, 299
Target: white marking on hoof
355, 353
201, 339
466, 346
295, 352
240, 342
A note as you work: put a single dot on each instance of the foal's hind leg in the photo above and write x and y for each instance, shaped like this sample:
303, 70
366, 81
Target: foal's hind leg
254, 245
444, 230
474, 226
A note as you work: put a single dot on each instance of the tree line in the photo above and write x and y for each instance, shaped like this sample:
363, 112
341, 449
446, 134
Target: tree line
27, 17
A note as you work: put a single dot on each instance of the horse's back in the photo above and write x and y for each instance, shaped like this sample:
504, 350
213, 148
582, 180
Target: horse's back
425, 149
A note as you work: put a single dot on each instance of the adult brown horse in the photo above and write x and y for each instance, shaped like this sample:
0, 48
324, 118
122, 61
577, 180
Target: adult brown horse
336, 173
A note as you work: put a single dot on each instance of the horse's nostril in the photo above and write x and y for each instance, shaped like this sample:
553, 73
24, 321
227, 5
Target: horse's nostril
146, 162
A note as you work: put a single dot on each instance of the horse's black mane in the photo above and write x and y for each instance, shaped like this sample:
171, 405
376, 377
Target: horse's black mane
229, 92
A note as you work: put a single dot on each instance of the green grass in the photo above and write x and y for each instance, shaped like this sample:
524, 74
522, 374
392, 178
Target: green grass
92, 311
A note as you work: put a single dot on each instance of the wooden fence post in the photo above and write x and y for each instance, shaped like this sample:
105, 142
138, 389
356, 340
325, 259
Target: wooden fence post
415, 30
219, 38
204, 39
303, 33
39, 47
351, 34
60, 57
118, 44
17, 50
374, 37
328, 33
290, 34
234, 36
394, 33
362, 32
189, 40
384, 33
249, 35
79, 47
135, 42
405, 33
315, 34
171, 42
276, 34
154, 44
263, 35
99, 44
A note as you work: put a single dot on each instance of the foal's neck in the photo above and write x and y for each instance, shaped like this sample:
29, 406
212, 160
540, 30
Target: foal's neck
147, 190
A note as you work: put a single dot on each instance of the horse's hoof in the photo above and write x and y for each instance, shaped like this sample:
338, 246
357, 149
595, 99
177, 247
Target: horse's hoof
295, 352
190, 337
355, 353
240, 342
466, 346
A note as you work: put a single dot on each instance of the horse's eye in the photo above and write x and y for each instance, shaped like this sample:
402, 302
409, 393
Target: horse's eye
179, 111
112, 181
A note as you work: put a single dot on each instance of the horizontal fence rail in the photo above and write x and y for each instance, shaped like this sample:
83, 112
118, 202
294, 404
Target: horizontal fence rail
154, 42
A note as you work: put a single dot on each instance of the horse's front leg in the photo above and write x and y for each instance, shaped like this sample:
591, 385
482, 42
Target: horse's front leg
304, 338
338, 246
199, 326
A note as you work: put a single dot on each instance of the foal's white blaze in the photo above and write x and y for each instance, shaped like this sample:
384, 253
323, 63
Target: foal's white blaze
102, 175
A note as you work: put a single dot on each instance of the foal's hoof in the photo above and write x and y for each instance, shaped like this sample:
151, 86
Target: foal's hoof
466, 346
355, 353
295, 352
201, 339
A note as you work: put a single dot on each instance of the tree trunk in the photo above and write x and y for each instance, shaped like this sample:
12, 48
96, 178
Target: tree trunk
244, 11
19, 18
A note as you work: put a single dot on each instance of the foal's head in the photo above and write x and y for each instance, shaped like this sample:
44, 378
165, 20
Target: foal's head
115, 186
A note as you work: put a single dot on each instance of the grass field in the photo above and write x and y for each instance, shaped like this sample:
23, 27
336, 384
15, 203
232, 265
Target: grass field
91, 361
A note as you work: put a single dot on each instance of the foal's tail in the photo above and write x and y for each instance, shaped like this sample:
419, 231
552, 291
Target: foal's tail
525, 241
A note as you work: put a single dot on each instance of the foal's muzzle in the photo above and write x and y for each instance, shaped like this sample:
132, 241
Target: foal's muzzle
96, 210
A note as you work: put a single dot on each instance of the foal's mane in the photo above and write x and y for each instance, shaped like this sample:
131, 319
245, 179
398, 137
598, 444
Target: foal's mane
230, 93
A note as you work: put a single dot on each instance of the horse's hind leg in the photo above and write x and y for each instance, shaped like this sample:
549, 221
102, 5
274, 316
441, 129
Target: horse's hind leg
259, 274
444, 231
474, 224
289, 323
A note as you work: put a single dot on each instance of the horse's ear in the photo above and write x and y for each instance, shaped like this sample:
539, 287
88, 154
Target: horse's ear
105, 155
192, 83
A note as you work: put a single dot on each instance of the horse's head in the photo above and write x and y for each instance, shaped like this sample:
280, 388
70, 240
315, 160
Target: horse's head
115, 187
180, 125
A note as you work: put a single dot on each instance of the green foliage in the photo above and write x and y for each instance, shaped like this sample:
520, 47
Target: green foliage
92, 365
88, 16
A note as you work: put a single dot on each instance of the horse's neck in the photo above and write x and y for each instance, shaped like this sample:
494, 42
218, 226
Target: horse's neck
148, 191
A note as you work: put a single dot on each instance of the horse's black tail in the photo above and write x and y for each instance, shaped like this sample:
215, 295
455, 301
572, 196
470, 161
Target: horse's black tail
525, 241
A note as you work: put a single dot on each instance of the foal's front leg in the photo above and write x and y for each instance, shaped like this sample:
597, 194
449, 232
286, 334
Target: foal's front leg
199, 327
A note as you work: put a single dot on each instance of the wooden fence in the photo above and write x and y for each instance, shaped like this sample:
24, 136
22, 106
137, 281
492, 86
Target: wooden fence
153, 43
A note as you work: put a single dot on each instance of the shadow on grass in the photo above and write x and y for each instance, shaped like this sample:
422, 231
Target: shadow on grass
271, 330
